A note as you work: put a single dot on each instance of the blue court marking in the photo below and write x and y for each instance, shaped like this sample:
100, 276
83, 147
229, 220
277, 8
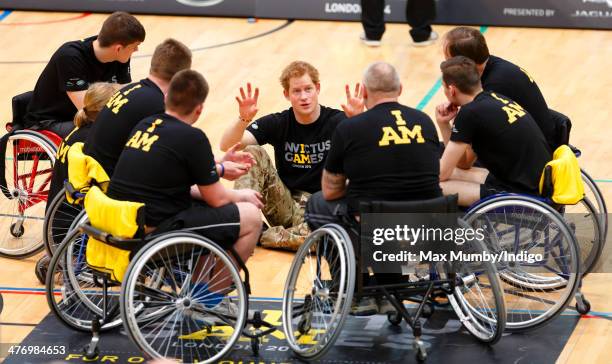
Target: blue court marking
4, 14
436, 87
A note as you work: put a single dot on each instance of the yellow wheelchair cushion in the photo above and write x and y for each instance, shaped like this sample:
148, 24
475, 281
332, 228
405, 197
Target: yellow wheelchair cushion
567, 186
118, 218
83, 171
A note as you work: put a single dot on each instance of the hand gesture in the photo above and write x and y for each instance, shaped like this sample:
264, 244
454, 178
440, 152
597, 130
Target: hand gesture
445, 112
233, 170
235, 155
355, 104
251, 196
247, 103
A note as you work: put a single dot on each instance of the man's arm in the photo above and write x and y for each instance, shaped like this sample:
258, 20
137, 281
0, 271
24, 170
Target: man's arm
445, 113
247, 108
333, 185
453, 152
237, 133
77, 98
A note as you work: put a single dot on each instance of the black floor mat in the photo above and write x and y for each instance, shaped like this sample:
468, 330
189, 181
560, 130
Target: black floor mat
363, 340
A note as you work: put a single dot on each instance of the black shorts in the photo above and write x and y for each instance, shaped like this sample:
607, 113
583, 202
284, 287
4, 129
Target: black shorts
492, 186
219, 224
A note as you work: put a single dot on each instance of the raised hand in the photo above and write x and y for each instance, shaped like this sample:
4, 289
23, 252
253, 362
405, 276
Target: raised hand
247, 103
355, 103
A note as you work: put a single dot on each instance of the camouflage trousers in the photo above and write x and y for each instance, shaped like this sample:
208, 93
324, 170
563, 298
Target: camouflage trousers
283, 209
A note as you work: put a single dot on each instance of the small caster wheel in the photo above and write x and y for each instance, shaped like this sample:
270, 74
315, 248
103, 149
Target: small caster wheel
17, 232
1, 303
428, 310
42, 266
420, 352
255, 346
394, 318
583, 307
91, 354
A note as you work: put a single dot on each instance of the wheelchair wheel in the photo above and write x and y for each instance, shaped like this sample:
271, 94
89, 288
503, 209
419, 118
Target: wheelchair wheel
538, 287
585, 223
60, 218
183, 299
28, 165
319, 291
593, 193
477, 298
74, 293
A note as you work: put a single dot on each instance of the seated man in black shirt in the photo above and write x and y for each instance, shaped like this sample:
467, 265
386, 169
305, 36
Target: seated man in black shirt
500, 76
301, 137
504, 137
135, 102
165, 156
389, 152
60, 89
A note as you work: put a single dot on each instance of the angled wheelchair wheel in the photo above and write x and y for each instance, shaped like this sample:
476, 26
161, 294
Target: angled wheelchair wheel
593, 193
60, 218
74, 292
319, 291
540, 273
585, 223
183, 299
477, 298
28, 165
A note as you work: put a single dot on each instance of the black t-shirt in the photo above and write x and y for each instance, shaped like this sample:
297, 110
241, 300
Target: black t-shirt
390, 152
299, 150
60, 169
506, 140
73, 67
116, 120
505, 78
162, 159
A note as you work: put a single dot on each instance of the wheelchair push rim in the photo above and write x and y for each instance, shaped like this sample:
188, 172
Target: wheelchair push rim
313, 321
28, 164
72, 293
164, 321
537, 293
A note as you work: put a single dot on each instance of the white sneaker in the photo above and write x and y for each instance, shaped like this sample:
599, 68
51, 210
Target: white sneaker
369, 42
225, 308
433, 36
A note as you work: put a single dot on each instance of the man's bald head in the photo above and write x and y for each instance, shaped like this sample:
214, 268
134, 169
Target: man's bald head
381, 78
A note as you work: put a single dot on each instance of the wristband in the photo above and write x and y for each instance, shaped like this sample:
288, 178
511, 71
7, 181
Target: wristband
222, 170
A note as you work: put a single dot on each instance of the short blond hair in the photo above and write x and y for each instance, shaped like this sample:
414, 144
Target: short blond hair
298, 69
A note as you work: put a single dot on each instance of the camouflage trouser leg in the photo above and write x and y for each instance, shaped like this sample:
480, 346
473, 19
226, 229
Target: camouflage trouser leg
284, 211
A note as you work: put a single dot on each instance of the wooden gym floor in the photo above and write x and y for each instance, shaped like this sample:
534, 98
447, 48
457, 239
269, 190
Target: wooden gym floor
572, 67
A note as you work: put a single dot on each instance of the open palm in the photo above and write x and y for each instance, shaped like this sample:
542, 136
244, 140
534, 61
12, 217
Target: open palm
247, 102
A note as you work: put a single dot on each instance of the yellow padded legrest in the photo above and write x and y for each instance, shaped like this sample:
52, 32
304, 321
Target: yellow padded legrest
83, 171
118, 218
568, 188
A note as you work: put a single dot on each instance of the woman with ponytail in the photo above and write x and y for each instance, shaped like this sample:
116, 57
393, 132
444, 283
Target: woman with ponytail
96, 97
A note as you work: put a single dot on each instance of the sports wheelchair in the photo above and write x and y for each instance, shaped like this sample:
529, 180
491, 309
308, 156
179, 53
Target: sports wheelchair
177, 294
323, 281
29, 156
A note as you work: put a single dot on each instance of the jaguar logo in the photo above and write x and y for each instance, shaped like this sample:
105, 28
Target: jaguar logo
200, 3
